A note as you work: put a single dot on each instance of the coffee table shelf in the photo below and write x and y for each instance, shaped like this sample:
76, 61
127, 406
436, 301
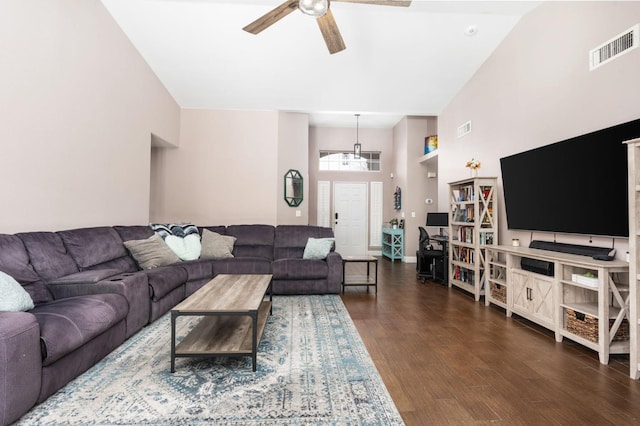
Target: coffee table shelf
234, 315
223, 335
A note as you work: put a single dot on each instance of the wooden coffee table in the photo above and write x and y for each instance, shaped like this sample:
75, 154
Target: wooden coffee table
234, 316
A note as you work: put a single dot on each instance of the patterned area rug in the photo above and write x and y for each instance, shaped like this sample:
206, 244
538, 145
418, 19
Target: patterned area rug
312, 369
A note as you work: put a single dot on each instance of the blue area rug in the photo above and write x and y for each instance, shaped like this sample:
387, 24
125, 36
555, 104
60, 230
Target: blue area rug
312, 369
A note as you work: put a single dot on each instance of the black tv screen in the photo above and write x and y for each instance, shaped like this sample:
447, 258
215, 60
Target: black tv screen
576, 186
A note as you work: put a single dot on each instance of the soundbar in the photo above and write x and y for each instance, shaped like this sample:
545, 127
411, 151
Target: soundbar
570, 248
538, 266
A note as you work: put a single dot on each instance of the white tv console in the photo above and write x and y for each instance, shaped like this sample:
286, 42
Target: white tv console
559, 301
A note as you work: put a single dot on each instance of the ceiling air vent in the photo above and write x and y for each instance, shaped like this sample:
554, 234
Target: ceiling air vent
620, 44
464, 129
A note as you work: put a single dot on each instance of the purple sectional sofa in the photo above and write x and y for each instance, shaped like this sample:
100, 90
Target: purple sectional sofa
90, 295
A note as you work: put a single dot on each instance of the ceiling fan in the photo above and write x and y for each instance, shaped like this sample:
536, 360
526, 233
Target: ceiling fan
319, 9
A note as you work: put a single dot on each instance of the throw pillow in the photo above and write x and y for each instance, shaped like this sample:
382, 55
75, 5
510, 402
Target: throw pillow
177, 229
318, 248
187, 248
216, 246
151, 253
14, 297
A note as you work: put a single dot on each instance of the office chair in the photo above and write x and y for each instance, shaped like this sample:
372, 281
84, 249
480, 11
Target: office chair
428, 258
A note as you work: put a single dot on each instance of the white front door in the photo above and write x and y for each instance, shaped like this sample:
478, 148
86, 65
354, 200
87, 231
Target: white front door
350, 218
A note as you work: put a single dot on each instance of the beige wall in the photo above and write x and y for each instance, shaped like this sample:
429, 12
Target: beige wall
225, 171
78, 106
342, 139
416, 187
230, 168
293, 153
537, 89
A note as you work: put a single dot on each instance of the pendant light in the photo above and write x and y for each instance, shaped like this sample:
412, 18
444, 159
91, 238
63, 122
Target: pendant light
357, 148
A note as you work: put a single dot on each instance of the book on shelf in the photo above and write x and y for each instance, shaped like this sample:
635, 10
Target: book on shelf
486, 238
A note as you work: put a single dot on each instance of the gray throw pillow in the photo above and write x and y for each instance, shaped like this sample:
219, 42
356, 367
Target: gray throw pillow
152, 252
216, 246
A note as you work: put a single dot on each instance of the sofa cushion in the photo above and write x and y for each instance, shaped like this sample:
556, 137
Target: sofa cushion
165, 279
135, 232
14, 260
93, 246
291, 240
67, 324
242, 265
151, 252
14, 297
216, 246
198, 269
318, 248
292, 269
48, 255
253, 240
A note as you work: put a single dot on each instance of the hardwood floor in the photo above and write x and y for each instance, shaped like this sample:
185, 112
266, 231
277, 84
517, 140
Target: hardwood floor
447, 359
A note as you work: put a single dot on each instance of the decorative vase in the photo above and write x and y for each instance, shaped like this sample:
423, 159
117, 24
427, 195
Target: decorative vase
473, 172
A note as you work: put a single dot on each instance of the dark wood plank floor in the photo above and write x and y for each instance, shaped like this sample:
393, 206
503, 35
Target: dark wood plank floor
449, 360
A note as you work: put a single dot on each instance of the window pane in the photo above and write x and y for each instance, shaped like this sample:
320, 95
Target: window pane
345, 161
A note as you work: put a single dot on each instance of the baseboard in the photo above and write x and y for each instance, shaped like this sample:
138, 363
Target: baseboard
410, 259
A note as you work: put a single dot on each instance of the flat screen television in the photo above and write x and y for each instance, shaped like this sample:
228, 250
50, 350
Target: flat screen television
438, 220
576, 186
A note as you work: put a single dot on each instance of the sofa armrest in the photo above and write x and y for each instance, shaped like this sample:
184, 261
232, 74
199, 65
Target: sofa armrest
86, 277
133, 286
334, 279
20, 364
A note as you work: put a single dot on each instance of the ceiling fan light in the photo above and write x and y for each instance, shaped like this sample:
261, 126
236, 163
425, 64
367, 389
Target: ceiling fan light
315, 8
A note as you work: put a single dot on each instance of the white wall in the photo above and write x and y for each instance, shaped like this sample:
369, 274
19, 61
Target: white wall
78, 106
536, 89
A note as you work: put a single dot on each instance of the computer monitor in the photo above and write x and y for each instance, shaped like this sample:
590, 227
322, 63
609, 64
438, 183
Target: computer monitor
439, 220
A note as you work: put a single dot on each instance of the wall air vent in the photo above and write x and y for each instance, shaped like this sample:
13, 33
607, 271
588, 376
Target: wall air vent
464, 129
619, 45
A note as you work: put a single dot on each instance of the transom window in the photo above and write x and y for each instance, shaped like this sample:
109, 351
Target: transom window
346, 162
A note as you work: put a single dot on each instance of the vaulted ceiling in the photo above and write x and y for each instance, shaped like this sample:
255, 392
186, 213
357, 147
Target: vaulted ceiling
398, 60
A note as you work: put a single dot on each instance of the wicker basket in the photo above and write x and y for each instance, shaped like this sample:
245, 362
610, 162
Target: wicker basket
586, 326
499, 292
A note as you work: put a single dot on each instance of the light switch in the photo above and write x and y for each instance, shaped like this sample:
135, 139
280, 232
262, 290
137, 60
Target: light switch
298, 213
413, 214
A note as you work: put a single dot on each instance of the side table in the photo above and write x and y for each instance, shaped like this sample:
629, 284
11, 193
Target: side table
358, 280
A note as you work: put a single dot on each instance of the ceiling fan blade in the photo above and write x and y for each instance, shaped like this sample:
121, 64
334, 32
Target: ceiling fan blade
380, 2
272, 17
331, 33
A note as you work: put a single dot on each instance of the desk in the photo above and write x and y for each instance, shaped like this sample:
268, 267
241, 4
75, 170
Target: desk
367, 280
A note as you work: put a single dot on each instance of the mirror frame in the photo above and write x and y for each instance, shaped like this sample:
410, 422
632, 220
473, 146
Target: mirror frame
293, 191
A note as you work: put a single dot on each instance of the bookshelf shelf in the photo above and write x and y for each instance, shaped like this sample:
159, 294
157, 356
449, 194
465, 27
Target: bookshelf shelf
473, 225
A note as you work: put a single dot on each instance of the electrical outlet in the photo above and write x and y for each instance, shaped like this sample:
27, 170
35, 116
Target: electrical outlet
298, 213
413, 214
